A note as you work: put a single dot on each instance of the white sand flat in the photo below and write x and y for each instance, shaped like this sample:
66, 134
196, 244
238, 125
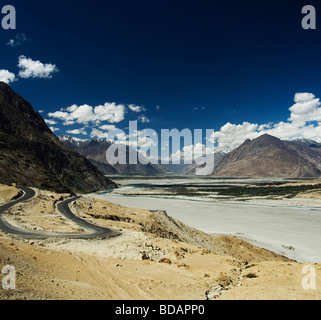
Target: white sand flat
293, 231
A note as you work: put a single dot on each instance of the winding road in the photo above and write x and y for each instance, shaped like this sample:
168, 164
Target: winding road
63, 208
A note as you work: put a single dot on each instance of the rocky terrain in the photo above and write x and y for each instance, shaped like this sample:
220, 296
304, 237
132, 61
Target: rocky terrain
155, 257
31, 155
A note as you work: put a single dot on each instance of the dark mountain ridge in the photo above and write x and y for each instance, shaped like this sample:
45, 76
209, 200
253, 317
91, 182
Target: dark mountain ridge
31, 155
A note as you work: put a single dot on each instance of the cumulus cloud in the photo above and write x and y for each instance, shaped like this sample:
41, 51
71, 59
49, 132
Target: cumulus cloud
7, 76
190, 153
28, 69
110, 112
61, 115
304, 122
119, 134
35, 69
96, 133
306, 108
107, 127
231, 136
303, 97
48, 121
77, 131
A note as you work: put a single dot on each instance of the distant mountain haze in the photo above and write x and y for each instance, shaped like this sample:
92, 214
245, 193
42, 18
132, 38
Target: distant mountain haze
263, 157
95, 151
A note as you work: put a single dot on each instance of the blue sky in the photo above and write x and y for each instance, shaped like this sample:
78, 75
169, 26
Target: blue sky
234, 66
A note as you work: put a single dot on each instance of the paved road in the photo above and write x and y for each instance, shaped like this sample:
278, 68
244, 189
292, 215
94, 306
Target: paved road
63, 208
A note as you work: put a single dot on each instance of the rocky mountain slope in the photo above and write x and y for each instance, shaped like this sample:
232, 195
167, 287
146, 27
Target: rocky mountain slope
268, 156
191, 169
31, 155
95, 151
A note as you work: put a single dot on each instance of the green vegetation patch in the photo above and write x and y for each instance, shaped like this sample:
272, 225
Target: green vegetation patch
289, 191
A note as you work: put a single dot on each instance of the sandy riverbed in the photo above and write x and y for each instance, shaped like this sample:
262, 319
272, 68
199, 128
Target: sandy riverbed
289, 227
155, 257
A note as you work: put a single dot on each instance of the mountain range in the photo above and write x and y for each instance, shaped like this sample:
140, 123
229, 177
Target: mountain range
265, 156
31, 155
268, 156
95, 152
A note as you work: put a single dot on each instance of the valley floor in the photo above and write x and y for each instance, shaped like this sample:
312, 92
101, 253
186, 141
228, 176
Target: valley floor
155, 257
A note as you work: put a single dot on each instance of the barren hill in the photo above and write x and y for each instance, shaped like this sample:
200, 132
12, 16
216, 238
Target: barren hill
268, 156
31, 155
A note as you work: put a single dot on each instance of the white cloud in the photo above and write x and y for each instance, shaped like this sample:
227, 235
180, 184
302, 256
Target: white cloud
190, 153
107, 127
304, 121
231, 136
35, 69
303, 97
143, 119
11, 43
72, 108
95, 133
110, 112
305, 110
53, 129
19, 39
7, 76
50, 122
121, 136
61, 115
28, 69
135, 108
77, 131
81, 114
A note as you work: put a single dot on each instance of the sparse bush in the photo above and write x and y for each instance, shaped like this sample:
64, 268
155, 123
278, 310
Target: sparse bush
251, 275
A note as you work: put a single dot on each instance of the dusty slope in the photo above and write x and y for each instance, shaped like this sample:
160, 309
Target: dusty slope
159, 224
7, 193
154, 258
